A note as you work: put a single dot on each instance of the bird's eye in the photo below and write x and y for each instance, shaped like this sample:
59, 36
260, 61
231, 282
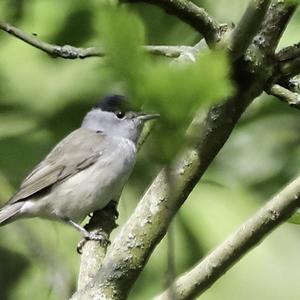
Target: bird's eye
120, 114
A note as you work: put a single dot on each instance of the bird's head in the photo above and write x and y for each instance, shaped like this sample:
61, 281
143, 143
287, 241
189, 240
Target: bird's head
113, 116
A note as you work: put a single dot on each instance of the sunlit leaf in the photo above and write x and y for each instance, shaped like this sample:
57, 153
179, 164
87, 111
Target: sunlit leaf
178, 91
122, 38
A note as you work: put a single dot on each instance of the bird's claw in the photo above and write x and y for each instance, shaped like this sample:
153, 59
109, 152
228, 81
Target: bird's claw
93, 236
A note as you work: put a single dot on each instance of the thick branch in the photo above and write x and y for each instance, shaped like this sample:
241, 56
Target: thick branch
191, 14
248, 26
283, 94
93, 252
70, 52
250, 234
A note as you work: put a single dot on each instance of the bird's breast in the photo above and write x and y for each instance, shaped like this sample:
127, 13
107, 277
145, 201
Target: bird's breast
115, 165
93, 188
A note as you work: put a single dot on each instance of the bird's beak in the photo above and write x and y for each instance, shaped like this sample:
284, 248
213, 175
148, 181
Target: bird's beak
148, 117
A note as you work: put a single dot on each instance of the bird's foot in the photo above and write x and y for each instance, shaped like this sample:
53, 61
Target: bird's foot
99, 236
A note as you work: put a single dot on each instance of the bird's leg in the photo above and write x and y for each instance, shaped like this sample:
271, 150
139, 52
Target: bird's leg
102, 222
87, 236
99, 236
81, 229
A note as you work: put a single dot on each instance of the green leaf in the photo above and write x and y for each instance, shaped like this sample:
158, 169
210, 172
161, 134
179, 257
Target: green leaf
178, 91
122, 37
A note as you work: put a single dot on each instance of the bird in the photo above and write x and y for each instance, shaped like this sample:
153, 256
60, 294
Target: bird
85, 171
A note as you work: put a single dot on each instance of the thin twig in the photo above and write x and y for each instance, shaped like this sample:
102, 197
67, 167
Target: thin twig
248, 26
68, 52
191, 14
169, 51
71, 52
250, 234
285, 95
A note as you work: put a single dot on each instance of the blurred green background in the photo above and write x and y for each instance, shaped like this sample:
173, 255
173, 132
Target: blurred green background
42, 99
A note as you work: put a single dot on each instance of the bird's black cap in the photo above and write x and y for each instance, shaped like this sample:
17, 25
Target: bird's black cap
113, 103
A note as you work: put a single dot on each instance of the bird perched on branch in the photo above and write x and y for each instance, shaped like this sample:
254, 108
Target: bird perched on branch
85, 171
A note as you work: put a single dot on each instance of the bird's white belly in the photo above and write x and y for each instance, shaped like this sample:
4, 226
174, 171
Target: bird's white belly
90, 189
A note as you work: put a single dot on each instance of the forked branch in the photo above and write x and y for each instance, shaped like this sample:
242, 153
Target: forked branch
248, 26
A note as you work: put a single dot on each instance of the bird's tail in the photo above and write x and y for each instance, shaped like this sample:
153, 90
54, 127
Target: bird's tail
9, 212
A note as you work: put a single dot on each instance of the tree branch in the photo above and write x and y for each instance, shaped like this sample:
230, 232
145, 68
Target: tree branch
94, 252
168, 51
191, 14
66, 51
250, 234
289, 52
70, 52
288, 61
149, 222
278, 16
247, 27
290, 67
285, 95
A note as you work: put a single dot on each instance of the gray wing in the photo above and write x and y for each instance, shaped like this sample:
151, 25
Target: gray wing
79, 150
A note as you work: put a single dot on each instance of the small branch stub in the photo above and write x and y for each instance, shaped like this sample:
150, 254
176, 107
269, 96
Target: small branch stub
285, 95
